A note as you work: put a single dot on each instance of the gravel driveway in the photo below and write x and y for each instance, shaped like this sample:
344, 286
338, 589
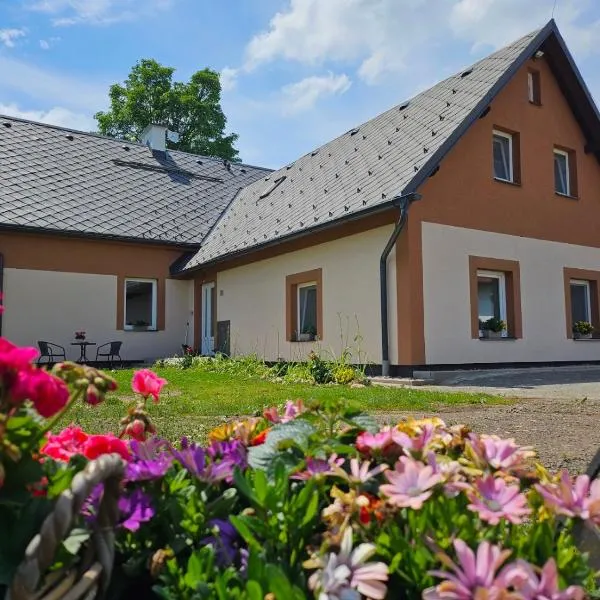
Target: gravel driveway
557, 410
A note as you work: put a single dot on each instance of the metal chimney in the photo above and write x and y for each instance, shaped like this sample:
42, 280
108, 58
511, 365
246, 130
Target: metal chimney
155, 137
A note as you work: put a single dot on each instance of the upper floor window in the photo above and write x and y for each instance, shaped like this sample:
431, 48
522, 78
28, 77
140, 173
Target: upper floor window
534, 91
503, 156
565, 173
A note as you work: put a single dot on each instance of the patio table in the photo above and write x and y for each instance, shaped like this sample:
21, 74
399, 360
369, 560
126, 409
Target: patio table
82, 350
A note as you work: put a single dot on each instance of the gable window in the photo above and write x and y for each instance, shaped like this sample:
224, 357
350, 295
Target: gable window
565, 174
304, 306
495, 293
503, 156
533, 87
140, 304
491, 297
561, 172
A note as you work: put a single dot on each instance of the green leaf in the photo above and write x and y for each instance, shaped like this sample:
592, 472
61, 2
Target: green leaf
365, 422
59, 482
311, 509
240, 523
278, 583
76, 539
254, 590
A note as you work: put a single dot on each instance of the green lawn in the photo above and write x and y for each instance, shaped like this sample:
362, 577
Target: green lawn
195, 401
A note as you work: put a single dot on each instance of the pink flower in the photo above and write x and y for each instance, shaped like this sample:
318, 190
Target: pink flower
359, 471
319, 466
500, 453
571, 499
523, 578
67, 443
369, 443
291, 411
417, 443
473, 577
96, 445
493, 500
411, 483
48, 393
147, 383
13, 358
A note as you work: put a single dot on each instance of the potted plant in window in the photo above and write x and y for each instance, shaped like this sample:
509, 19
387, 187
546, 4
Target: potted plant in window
493, 328
140, 325
308, 334
582, 330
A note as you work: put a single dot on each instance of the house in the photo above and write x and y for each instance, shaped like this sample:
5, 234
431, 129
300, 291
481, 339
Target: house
477, 198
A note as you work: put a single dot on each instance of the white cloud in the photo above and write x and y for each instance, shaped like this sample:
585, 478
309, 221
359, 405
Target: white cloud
47, 44
493, 22
8, 36
384, 37
303, 95
63, 117
97, 12
228, 79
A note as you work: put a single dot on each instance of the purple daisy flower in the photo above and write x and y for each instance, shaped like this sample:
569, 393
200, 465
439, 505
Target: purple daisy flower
150, 460
136, 508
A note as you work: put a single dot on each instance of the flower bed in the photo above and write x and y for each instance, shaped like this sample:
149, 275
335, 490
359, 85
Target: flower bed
312, 500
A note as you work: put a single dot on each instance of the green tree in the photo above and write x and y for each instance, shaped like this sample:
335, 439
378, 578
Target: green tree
193, 109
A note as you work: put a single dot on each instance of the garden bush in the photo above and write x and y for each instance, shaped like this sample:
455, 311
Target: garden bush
309, 500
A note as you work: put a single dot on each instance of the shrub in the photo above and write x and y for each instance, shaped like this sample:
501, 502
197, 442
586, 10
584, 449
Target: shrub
344, 374
319, 369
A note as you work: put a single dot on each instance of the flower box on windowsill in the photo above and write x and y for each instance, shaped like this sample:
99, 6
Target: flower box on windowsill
491, 335
507, 338
305, 337
583, 336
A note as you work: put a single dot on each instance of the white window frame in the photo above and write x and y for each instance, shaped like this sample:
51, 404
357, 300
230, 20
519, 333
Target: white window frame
299, 304
588, 296
567, 174
501, 293
530, 87
511, 170
153, 325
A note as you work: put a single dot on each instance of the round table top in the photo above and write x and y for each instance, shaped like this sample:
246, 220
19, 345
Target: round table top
83, 343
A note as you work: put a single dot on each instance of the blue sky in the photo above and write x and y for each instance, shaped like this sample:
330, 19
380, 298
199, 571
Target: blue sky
296, 73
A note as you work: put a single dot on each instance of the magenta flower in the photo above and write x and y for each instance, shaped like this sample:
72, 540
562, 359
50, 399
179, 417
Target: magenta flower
523, 578
410, 483
493, 500
291, 411
572, 499
347, 575
147, 383
13, 358
379, 442
474, 576
498, 453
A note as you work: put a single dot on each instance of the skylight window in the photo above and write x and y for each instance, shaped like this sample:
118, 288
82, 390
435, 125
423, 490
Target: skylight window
404, 105
274, 186
466, 73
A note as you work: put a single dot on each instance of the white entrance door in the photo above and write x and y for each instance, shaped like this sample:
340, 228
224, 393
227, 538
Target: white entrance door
208, 339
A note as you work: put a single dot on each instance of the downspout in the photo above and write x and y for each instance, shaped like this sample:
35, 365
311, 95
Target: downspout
403, 202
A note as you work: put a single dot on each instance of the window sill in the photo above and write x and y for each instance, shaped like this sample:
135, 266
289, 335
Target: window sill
149, 330
596, 339
498, 339
507, 182
536, 104
568, 196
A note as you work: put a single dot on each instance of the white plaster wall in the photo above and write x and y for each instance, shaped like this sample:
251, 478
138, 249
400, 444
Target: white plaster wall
448, 340
51, 306
252, 297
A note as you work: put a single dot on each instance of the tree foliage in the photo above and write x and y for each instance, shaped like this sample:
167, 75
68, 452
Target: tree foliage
193, 109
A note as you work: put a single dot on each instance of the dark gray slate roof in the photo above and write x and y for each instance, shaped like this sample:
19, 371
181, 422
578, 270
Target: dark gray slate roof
79, 183
365, 168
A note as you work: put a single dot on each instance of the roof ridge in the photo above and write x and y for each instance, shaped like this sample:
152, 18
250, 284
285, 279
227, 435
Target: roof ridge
120, 140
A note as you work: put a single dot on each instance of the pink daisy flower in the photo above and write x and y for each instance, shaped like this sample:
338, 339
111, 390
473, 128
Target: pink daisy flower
410, 483
493, 500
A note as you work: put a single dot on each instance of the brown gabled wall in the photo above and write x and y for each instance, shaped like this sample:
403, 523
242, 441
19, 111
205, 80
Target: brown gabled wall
464, 194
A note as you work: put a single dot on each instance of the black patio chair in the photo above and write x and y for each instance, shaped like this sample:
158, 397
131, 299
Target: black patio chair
52, 352
110, 351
